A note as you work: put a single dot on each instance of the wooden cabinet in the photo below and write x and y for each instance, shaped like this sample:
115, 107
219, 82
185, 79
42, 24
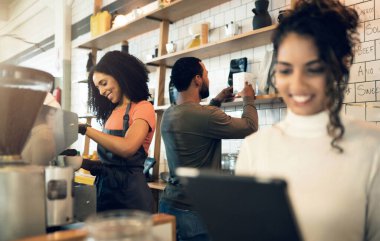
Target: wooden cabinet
161, 18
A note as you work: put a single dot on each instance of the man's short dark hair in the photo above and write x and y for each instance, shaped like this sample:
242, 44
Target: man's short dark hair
184, 70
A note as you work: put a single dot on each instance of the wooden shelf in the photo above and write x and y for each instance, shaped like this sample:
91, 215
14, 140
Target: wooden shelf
81, 234
179, 9
87, 116
243, 41
158, 185
260, 99
82, 82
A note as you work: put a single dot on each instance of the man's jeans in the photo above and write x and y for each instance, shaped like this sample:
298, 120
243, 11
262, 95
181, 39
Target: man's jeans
189, 225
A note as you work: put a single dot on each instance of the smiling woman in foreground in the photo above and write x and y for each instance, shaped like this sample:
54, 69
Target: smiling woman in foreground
331, 163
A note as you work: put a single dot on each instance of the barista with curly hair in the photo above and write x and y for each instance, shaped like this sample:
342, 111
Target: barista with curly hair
118, 94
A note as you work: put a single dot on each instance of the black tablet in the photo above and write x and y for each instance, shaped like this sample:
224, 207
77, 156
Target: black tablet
241, 208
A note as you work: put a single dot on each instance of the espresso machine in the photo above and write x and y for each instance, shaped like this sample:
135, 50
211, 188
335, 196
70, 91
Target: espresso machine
53, 131
31, 189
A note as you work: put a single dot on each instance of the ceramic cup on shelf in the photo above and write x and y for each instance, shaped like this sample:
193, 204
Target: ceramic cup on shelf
231, 29
171, 47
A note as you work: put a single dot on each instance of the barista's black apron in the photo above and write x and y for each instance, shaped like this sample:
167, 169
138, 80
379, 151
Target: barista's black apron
121, 184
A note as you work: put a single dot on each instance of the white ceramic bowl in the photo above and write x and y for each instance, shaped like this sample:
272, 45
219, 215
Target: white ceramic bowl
171, 47
74, 161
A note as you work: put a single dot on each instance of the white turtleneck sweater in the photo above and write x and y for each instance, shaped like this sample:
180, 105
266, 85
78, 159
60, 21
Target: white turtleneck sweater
336, 197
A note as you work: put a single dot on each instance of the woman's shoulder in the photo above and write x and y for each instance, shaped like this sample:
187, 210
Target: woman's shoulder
192, 109
362, 133
357, 128
263, 134
143, 105
357, 125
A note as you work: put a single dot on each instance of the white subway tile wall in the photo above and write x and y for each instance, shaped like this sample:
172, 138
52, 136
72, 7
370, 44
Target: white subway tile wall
365, 73
365, 51
371, 30
361, 31
351, 2
366, 10
356, 110
373, 111
350, 94
357, 73
373, 70
366, 91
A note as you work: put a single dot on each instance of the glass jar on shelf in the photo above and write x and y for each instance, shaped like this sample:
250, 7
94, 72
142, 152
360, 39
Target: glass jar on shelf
232, 162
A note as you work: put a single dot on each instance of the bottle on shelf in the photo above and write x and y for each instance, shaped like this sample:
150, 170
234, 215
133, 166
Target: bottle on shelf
125, 47
204, 33
90, 63
163, 3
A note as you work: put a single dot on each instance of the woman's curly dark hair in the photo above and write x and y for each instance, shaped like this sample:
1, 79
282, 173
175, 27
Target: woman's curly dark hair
333, 28
130, 73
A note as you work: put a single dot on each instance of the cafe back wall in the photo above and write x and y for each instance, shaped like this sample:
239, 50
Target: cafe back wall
238, 11
362, 97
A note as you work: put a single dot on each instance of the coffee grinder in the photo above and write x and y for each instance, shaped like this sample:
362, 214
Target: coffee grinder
22, 186
53, 131
25, 207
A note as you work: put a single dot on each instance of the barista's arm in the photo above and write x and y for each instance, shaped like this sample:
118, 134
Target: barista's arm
220, 125
122, 146
225, 94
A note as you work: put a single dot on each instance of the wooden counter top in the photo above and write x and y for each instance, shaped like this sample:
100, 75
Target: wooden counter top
81, 234
66, 235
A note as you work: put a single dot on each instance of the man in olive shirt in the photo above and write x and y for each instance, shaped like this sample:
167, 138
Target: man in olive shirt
192, 134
